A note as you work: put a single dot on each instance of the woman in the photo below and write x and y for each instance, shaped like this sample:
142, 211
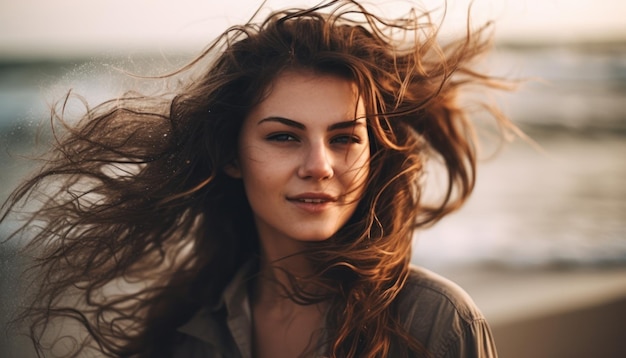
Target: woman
265, 208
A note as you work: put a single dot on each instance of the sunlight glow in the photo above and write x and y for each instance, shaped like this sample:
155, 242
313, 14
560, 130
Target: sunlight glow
91, 27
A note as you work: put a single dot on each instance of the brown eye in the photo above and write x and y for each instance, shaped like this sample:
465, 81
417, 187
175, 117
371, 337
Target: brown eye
281, 137
346, 139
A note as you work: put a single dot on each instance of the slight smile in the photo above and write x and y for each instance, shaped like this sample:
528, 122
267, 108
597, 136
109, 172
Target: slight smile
312, 198
312, 202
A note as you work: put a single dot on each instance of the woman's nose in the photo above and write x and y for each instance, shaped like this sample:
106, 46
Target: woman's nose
316, 163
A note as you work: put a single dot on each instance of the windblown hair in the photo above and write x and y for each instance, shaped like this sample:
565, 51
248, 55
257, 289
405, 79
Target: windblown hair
138, 226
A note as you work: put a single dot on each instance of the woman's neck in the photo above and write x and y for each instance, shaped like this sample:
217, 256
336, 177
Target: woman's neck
281, 326
277, 270
281, 261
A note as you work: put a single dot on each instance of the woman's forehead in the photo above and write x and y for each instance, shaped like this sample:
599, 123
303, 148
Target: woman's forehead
298, 93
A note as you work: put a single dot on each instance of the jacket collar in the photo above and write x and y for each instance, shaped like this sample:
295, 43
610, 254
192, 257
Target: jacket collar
205, 326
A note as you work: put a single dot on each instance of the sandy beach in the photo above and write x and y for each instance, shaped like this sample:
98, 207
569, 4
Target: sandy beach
563, 313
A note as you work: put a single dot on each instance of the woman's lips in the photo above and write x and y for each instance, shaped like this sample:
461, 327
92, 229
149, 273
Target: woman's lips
317, 201
312, 202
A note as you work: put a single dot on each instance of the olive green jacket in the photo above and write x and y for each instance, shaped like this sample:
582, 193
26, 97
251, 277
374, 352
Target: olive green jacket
437, 312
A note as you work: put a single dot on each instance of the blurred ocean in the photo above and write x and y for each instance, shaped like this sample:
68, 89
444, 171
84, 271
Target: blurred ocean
563, 205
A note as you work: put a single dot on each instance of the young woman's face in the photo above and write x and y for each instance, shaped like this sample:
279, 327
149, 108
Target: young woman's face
303, 157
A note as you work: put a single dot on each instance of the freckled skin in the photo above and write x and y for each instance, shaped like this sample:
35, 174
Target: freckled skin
303, 158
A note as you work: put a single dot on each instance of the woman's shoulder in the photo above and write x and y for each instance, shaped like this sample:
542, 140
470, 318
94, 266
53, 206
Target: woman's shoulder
443, 317
425, 290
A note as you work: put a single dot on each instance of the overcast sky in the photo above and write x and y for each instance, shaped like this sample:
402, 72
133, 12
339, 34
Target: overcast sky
66, 27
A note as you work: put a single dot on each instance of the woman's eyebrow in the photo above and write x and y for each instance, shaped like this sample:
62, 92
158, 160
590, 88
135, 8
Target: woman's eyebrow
347, 124
335, 126
285, 121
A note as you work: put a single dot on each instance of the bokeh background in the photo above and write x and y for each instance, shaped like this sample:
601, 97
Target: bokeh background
541, 245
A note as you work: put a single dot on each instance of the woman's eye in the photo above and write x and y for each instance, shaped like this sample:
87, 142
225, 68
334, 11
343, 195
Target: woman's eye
346, 139
281, 137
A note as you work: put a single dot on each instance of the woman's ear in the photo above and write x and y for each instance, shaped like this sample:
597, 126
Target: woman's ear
233, 170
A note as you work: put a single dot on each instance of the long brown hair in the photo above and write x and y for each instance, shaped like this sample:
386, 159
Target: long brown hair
138, 226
